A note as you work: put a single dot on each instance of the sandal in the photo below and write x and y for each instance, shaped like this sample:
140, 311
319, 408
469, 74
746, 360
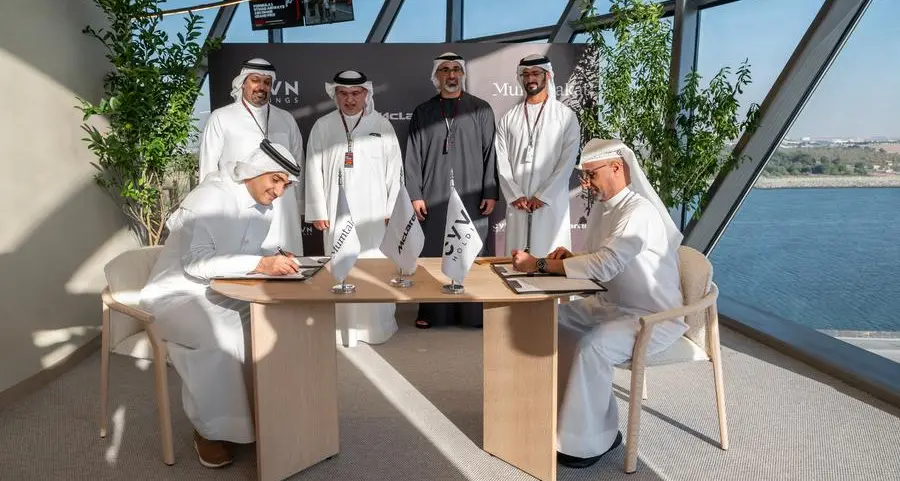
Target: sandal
422, 324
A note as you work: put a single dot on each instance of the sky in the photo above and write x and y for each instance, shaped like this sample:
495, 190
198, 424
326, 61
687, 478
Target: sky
859, 97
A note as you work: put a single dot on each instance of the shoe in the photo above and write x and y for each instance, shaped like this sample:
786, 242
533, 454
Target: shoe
422, 324
212, 454
575, 462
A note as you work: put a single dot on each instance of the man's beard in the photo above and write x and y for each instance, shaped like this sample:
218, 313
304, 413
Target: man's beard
259, 97
538, 88
451, 88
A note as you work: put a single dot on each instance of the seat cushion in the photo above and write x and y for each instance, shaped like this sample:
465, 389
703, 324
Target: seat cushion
683, 350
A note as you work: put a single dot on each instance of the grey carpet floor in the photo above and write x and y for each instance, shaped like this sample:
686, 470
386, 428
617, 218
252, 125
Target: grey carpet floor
410, 409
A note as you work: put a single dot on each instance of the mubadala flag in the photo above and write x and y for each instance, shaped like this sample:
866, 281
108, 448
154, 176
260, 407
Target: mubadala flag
404, 239
344, 240
461, 240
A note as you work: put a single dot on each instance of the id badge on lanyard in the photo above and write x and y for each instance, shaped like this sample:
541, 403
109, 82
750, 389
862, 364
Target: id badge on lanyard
529, 154
348, 155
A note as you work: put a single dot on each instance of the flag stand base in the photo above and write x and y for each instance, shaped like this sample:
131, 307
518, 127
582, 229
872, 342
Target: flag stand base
401, 282
453, 288
343, 288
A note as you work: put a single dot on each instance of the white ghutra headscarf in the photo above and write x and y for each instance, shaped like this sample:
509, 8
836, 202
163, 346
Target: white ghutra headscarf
448, 57
257, 66
352, 78
540, 61
598, 149
268, 157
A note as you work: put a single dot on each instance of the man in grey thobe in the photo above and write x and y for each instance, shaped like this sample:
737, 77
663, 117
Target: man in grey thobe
453, 130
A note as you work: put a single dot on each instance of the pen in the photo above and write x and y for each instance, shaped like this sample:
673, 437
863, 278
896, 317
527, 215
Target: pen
282, 252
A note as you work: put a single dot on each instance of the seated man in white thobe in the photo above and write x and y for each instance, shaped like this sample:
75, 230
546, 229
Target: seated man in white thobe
217, 231
359, 145
235, 130
632, 246
537, 145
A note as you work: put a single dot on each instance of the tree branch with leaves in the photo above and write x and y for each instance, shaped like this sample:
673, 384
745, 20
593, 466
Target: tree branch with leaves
149, 96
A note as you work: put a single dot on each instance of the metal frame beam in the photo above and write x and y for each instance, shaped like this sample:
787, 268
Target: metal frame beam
814, 54
276, 35
217, 30
539, 33
564, 31
454, 21
384, 21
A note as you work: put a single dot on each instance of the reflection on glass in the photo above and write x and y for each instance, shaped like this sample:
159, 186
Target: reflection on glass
801, 249
482, 18
420, 21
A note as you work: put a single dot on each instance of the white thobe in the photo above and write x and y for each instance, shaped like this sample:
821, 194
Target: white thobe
231, 134
217, 230
545, 174
630, 254
371, 187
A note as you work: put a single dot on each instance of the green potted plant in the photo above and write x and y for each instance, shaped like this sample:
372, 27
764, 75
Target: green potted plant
680, 138
143, 158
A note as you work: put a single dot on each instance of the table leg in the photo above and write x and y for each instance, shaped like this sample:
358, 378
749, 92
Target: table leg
520, 385
295, 385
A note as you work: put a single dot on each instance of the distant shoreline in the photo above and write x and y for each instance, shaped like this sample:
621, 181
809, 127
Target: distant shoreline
827, 181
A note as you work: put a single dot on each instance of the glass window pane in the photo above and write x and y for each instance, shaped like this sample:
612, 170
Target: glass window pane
240, 30
176, 23
355, 31
731, 33
420, 21
482, 18
821, 256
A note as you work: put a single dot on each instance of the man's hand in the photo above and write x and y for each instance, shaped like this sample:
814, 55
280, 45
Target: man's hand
321, 224
560, 253
523, 261
521, 203
534, 204
276, 266
419, 208
487, 206
386, 220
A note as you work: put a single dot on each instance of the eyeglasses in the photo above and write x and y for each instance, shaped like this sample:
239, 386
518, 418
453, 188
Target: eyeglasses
446, 70
589, 174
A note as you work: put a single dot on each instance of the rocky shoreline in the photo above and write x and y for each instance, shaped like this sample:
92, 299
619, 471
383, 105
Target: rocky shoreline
820, 181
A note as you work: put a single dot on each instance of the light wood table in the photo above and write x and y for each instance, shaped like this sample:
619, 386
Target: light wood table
295, 362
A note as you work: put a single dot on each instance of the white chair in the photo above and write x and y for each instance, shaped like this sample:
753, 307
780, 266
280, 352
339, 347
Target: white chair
699, 343
126, 276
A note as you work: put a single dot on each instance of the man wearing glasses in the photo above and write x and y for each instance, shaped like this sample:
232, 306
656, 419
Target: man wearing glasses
451, 133
633, 249
537, 146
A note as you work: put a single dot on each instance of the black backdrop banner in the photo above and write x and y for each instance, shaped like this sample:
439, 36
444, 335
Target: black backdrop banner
400, 75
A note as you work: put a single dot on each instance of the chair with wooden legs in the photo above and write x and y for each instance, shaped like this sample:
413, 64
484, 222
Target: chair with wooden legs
126, 276
699, 343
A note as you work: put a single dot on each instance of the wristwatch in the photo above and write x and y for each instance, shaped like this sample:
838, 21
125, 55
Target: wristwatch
542, 265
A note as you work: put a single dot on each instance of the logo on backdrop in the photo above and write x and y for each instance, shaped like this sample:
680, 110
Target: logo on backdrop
286, 92
509, 89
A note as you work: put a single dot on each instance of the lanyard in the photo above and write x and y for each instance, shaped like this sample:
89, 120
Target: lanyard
268, 111
449, 123
533, 131
349, 132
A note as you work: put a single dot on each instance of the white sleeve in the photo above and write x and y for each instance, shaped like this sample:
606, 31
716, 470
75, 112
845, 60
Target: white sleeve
316, 203
627, 240
557, 184
212, 143
511, 190
200, 257
296, 141
393, 162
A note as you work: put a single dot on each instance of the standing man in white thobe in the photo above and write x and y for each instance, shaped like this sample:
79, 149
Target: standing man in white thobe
358, 144
218, 230
233, 131
537, 147
633, 250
